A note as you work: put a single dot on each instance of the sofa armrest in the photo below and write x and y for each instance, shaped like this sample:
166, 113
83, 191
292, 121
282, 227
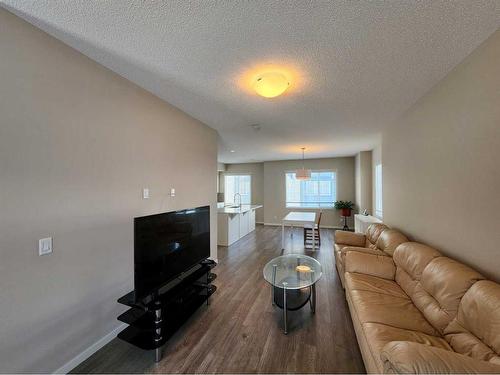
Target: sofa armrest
343, 237
370, 264
404, 357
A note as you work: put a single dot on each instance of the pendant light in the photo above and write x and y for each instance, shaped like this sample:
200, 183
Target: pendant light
303, 174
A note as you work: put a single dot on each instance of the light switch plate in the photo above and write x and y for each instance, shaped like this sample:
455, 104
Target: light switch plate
172, 192
45, 246
145, 193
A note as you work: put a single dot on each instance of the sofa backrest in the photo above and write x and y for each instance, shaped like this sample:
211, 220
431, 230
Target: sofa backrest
475, 331
372, 234
435, 283
389, 240
410, 259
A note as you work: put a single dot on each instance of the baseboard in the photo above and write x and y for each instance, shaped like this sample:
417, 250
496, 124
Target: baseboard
90, 350
287, 225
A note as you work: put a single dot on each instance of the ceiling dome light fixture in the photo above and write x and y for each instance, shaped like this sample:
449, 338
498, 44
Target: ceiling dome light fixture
303, 174
271, 84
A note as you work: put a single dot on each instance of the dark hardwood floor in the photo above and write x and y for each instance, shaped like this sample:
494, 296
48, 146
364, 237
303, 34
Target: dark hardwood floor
241, 332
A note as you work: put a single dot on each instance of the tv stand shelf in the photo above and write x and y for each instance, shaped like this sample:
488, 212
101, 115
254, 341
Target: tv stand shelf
153, 322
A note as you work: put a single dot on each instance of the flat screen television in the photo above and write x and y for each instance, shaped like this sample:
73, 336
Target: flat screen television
168, 244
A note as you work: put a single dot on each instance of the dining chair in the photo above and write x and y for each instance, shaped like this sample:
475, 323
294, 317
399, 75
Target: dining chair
308, 232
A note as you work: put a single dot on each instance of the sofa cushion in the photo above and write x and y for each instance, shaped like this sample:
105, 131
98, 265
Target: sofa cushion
405, 357
370, 264
359, 281
366, 250
389, 240
475, 331
372, 307
444, 282
433, 282
413, 257
378, 335
373, 232
340, 257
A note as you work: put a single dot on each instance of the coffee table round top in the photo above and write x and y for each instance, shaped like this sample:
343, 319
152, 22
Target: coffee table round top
292, 271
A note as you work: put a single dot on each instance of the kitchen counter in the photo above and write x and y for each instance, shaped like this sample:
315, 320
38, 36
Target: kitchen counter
238, 210
234, 223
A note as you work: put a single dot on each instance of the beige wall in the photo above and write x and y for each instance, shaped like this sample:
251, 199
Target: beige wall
77, 145
256, 170
363, 173
274, 186
441, 164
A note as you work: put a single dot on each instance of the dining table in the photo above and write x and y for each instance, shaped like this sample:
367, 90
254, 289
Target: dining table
298, 219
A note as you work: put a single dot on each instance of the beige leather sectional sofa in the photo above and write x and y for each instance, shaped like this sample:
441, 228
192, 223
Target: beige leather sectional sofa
415, 310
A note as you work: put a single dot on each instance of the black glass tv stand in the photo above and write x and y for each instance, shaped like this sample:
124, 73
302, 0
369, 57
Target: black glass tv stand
154, 321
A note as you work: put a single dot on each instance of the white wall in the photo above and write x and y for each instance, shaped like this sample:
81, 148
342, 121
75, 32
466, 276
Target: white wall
363, 173
77, 145
376, 160
441, 164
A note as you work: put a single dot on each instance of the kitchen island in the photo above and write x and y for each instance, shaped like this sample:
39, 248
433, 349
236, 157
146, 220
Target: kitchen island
235, 222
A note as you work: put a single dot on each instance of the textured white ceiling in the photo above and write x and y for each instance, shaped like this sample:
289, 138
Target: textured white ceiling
360, 63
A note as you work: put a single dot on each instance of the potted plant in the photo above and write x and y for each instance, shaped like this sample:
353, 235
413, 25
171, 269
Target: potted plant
344, 206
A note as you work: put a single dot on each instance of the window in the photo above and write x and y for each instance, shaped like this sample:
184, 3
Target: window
237, 184
378, 191
320, 191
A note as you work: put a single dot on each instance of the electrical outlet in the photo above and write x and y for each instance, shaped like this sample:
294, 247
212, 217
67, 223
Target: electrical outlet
145, 193
172, 192
45, 246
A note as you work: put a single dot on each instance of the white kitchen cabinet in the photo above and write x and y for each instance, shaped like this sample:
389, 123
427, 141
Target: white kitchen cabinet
244, 224
234, 223
251, 221
233, 228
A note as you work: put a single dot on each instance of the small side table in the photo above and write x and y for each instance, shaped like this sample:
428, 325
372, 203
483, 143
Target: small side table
346, 227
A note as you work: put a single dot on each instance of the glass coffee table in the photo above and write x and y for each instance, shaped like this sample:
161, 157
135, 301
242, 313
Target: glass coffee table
293, 280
